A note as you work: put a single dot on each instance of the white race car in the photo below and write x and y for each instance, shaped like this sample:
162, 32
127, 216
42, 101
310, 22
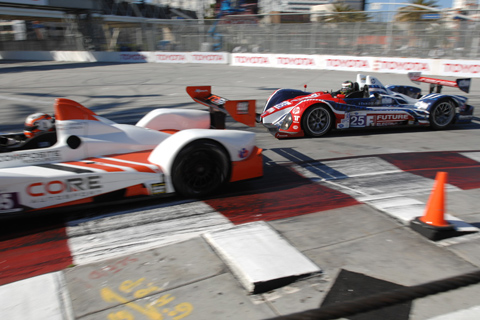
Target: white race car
95, 159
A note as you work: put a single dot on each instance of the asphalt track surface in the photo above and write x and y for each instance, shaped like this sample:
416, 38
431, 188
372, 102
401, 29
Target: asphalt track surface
320, 194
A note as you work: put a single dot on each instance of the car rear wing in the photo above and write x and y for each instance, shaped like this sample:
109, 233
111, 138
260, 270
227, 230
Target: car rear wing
437, 84
240, 110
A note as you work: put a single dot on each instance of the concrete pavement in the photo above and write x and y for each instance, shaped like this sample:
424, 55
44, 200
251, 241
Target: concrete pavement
187, 278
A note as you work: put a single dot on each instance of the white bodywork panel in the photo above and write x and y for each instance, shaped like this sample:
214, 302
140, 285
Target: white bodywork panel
168, 119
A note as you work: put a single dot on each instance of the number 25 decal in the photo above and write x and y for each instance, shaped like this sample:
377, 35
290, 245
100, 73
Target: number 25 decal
357, 121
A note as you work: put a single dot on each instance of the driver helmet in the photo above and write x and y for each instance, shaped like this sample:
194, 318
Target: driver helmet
38, 123
347, 87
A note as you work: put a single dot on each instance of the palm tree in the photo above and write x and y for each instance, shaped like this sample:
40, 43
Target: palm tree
415, 11
340, 12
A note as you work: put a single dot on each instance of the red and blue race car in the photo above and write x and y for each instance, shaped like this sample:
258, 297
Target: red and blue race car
292, 113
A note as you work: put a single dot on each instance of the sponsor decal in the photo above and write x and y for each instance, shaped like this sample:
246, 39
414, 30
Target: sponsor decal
271, 110
200, 91
219, 101
360, 120
242, 154
158, 188
296, 118
296, 110
461, 68
32, 157
345, 122
208, 57
72, 188
252, 59
296, 61
381, 118
69, 125
170, 57
281, 105
401, 65
295, 127
347, 63
242, 107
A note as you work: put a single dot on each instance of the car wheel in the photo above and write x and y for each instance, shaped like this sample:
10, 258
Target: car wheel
317, 121
200, 168
442, 114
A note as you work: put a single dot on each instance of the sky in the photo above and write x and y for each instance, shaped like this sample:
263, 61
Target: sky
441, 4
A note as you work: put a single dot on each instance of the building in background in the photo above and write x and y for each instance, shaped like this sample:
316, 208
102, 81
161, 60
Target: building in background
302, 6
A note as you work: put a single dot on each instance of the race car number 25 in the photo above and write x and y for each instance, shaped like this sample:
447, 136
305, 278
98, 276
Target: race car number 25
9, 202
358, 121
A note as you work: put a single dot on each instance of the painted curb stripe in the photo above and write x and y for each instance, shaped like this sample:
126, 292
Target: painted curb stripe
33, 255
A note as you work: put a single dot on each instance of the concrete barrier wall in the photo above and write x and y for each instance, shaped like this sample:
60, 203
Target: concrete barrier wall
437, 67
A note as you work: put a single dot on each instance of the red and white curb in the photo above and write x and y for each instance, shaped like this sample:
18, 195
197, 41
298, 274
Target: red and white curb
131, 232
382, 185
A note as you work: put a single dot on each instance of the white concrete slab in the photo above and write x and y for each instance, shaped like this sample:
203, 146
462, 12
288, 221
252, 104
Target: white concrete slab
41, 297
467, 314
258, 256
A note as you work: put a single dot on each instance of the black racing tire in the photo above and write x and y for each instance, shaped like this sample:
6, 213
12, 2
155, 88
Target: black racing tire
317, 121
200, 168
442, 114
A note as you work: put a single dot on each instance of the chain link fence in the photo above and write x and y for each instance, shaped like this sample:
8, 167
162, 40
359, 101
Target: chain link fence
450, 38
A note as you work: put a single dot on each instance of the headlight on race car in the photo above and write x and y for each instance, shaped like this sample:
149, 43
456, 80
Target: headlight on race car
287, 122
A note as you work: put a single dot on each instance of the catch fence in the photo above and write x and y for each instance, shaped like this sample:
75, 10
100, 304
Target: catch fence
335, 34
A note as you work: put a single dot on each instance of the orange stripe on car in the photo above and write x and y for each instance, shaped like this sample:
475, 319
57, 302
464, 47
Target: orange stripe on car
140, 156
252, 167
94, 165
136, 166
169, 131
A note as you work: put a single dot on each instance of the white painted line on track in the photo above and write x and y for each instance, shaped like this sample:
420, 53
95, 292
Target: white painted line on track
400, 207
119, 235
472, 155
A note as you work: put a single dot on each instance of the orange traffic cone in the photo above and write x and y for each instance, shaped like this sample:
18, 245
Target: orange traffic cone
434, 212
433, 225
